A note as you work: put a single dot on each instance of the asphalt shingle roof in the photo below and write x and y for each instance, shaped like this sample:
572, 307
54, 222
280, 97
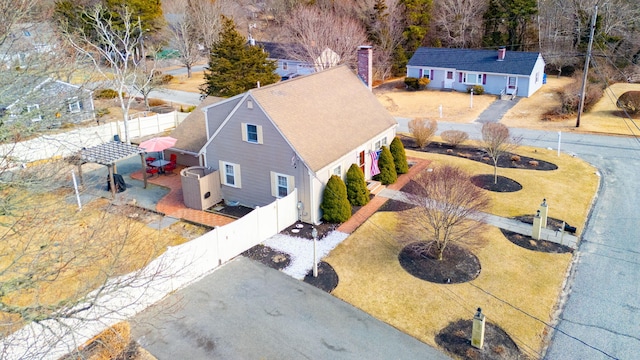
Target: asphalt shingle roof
192, 133
486, 61
324, 115
279, 50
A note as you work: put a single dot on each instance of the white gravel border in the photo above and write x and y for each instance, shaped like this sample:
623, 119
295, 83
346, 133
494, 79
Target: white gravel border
301, 250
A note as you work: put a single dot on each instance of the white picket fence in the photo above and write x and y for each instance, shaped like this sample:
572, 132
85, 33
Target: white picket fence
67, 143
177, 268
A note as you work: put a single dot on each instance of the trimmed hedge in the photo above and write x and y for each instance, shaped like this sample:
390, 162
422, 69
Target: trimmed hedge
387, 168
399, 156
357, 191
335, 205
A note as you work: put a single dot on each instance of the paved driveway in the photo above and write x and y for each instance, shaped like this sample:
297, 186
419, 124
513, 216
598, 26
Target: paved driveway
245, 310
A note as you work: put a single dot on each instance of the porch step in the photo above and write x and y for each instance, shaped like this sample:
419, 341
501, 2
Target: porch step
375, 187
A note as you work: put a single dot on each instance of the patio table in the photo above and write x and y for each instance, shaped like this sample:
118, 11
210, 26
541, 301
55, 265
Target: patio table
160, 163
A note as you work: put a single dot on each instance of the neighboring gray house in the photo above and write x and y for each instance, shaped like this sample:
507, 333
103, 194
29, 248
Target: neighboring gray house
497, 71
50, 102
24, 40
294, 134
280, 53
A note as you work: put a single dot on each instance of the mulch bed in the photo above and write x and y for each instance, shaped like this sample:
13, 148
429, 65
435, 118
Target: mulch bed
303, 230
272, 258
456, 339
530, 243
488, 182
235, 212
477, 154
327, 279
458, 265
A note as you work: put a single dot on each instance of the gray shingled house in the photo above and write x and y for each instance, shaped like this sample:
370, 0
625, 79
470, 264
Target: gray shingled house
499, 72
294, 134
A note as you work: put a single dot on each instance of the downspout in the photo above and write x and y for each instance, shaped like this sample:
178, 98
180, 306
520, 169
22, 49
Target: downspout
312, 208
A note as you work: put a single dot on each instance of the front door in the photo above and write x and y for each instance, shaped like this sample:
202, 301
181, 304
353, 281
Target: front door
512, 85
361, 162
448, 79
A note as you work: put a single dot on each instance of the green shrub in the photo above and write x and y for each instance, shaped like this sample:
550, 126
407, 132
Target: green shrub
423, 82
454, 137
477, 89
357, 191
387, 168
105, 94
335, 205
415, 83
102, 112
399, 156
630, 101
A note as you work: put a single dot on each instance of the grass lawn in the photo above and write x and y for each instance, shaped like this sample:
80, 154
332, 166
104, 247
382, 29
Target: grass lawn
183, 83
47, 232
372, 279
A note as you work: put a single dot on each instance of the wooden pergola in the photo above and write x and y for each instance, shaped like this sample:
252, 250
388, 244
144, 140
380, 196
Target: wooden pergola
108, 154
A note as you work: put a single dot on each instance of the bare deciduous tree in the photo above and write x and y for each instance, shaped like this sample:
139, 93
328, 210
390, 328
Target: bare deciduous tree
449, 207
496, 142
384, 28
182, 30
454, 137
325, 39
422, 131
459, 22
117, 52
205, 22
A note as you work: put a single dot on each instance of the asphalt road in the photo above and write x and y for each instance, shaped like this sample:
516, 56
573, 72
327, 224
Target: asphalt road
245, 310
600, 318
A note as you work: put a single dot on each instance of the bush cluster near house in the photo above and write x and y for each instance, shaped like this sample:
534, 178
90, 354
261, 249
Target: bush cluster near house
335, 204
388, 174
105, 94
399, 156
357, 191
415, 83
477, 89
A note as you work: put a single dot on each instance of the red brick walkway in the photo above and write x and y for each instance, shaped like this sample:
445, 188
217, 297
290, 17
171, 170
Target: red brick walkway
366, 211
172, 204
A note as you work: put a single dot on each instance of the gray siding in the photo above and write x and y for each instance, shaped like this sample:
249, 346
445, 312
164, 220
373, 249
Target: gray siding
256, 160
216, 114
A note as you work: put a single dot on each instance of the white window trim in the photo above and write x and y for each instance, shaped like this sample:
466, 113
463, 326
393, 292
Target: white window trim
426, 73
236, 174
275, 184
245, 133
474, 75
380, 143
76, 102
34, 108
337, 170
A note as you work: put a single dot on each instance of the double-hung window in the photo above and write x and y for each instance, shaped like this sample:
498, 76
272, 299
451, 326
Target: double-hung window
74, 105
230, 174
252, 133
281, 184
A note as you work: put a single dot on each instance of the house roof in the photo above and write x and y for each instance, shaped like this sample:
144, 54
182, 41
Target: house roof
192, 131
324, 115
515, 62
279, 50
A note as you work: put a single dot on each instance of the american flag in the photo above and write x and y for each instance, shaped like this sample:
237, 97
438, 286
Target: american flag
374, 163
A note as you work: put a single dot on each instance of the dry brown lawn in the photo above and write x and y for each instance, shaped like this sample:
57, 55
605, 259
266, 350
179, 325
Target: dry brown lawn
456, 106
183, 83
372, 279
104, 239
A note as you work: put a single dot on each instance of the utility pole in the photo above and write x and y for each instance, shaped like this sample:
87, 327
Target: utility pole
586, 66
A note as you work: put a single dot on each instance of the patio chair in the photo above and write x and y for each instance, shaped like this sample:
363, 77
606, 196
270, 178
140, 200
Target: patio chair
150, 160
168, 169
173, 158
152, 170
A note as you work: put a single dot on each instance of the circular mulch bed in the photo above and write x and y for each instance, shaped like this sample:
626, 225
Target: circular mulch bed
458, 264
508, 160
395, 205
455, 338
504, 184
327, 279
530, 243
272, 258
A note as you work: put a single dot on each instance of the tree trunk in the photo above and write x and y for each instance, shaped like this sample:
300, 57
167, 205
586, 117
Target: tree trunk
495, 171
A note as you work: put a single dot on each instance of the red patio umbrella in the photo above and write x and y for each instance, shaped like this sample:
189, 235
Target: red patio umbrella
158, 143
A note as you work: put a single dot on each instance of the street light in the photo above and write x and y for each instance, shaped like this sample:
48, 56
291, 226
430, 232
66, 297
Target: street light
314, 233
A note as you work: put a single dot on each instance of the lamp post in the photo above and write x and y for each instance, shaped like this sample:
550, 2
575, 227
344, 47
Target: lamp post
314, 233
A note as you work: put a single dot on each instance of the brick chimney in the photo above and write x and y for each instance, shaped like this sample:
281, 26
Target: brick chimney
502, 52
365, 64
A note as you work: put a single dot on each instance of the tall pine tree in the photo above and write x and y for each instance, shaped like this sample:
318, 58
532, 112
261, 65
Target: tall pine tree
235, 66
